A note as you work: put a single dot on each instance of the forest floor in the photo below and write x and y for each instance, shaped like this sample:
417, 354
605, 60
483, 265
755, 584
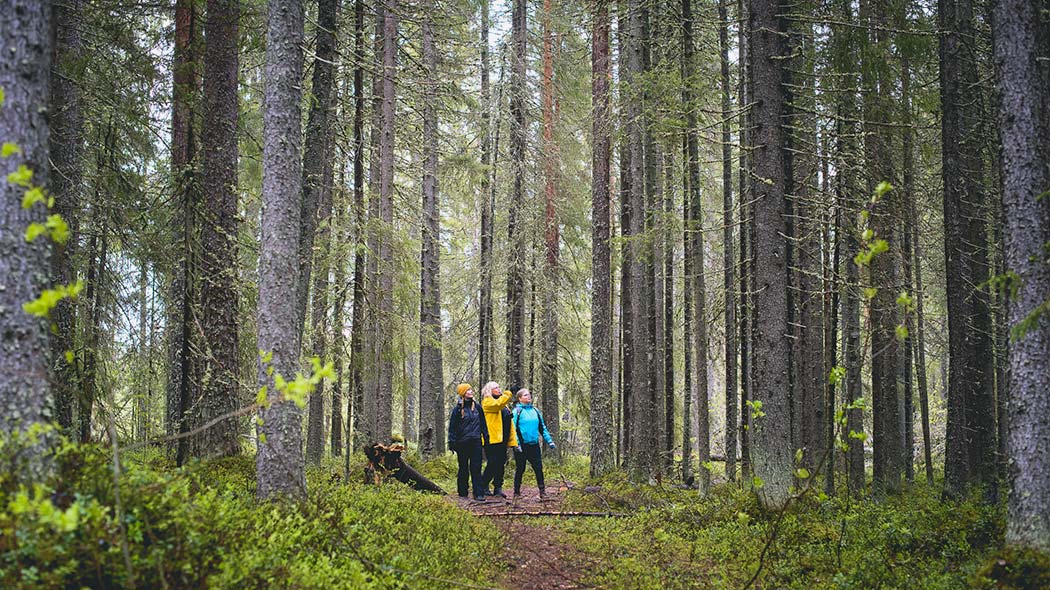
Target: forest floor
535, 553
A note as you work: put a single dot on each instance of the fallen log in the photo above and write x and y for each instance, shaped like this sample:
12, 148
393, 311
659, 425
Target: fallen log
386, 462
555, 513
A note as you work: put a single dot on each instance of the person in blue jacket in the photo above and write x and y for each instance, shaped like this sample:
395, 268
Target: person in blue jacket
467, 433
530, 428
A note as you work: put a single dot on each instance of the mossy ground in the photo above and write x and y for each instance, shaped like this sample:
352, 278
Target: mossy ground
200, 526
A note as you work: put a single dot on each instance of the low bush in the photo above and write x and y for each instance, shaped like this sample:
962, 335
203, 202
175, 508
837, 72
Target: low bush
201, 527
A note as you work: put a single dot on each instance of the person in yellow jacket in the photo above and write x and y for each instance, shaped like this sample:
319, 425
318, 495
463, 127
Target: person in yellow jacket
501, 435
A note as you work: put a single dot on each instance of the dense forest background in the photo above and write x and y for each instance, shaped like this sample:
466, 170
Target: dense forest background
793, 249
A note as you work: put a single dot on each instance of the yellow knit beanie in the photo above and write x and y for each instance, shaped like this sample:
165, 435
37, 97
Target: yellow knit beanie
462, 388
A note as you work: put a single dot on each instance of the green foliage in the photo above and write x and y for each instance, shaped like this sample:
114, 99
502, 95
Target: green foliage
912, 541
201, 526
1015, 568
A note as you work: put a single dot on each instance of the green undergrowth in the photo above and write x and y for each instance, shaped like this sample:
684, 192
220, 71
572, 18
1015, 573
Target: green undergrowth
671, 538
201, 527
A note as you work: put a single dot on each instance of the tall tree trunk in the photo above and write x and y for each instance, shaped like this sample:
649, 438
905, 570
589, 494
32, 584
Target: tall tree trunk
279, 462
355, 397
623, 37
728, 253
181, 387
338, 251
25, 63
907, 169
385, 292
886, 416
516, 265
970, 437
318, 149
431, 377
771, 441
602, 452
95, 276
920, 345
695, 252
639, 458
669, 238
848, 196
485, 367
219, 233
319, 316
1021, 36
67, 153
551, 275
744, 118
320, 188
140, 410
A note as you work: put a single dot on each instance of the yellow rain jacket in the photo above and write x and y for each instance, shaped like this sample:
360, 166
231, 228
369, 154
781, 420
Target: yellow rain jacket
497, 423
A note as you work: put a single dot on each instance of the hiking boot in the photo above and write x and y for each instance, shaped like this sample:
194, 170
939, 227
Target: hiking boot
479, 498
543, 494
499, 492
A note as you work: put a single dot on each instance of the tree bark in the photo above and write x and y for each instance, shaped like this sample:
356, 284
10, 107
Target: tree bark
385, 292
317, 148
485, 365
728, 253
515, 270
1021, 36
25, 63
431, 373
886, 415
219, 233
279, 462
181, 387
970, 437
602, 441
771, 437
321, 187
551, 275
67, 153
355, 396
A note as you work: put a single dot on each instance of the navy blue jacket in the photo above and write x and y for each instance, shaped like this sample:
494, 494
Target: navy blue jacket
467, 424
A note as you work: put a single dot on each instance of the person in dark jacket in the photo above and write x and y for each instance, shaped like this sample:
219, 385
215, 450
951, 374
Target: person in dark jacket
531, 431
467, 433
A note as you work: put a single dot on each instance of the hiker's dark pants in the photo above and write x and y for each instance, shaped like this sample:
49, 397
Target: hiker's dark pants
496, 466
469, 455
530, 453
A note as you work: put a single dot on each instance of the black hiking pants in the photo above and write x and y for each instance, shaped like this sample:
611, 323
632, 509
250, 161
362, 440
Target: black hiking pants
495, 467
469, 455
530, 453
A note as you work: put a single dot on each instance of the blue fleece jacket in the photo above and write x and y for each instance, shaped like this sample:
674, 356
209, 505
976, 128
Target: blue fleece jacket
528, 422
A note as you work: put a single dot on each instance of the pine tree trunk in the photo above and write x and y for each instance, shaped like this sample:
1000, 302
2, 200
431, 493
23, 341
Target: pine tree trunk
219, 233
886, 416
485, 366
771, 441
551, 275
431, 378
601, 393
319, 333
25, 65
279, 462
355, 396
317, 148
908, 247
728, 253
970, 437
385, 293
67, 153
1021, 37
183, 297
743, 99
517, 243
